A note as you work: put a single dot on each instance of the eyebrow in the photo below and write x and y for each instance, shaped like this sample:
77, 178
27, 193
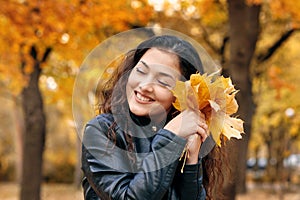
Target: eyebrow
145, 64
162, 73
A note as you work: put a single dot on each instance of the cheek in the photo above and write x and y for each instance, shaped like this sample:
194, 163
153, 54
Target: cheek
165, 97
133, 80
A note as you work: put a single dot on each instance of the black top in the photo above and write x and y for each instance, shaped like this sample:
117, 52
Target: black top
150, 171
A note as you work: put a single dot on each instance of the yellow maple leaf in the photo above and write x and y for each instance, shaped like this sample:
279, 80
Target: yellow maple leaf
185, 96
215, 124
217, 95
180, 93
233, 127
199, 84
230, 91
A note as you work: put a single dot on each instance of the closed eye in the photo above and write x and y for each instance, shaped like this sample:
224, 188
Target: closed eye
140, 70
165, 84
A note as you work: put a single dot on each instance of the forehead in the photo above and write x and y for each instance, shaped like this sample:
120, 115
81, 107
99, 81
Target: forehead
166, 60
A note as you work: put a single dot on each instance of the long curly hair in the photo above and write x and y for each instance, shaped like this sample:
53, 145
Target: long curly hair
190, 63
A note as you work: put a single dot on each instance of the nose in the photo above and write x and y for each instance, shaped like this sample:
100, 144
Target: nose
146, 86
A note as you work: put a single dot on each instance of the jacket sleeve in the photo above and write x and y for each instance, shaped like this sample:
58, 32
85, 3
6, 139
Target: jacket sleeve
191, 185
112, 175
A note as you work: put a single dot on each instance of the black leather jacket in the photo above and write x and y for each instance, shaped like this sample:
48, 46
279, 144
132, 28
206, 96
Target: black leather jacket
152, 171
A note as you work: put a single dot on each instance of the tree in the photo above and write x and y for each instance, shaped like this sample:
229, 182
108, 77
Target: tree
243, 29
35, 132
35, 30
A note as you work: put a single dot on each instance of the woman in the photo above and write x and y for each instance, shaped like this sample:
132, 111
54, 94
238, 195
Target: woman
132, 150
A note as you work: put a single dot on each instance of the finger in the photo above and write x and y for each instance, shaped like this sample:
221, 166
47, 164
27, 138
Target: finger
203, 132
193, 137
202, 115
203, 125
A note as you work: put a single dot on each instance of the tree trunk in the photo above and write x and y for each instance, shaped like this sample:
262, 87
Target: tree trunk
243, 34
34, 135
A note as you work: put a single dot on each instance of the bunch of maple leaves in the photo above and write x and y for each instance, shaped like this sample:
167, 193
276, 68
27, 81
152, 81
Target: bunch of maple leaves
215, 97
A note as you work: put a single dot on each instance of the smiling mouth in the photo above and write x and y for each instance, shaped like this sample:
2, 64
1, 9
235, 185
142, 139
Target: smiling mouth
143, 98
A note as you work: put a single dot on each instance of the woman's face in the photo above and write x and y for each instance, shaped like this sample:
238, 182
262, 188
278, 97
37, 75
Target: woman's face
149, 83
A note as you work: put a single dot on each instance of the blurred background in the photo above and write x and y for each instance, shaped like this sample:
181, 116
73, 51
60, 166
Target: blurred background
44, 42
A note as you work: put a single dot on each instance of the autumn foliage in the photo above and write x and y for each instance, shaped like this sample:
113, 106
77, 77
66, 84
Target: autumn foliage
215, 97
67, 29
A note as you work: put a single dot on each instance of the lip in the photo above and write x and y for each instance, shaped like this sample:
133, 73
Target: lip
142, 98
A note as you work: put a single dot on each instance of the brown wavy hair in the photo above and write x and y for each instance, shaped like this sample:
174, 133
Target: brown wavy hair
190, 63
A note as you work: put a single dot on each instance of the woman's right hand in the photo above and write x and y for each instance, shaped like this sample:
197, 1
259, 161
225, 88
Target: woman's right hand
188, 122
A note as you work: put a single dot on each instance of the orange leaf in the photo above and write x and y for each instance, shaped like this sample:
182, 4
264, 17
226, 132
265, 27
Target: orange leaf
199, 83
180, 93
185, 96
230, 91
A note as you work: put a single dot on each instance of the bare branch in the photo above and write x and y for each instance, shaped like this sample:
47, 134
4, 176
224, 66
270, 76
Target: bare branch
271, 51
46, 54
222, 49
